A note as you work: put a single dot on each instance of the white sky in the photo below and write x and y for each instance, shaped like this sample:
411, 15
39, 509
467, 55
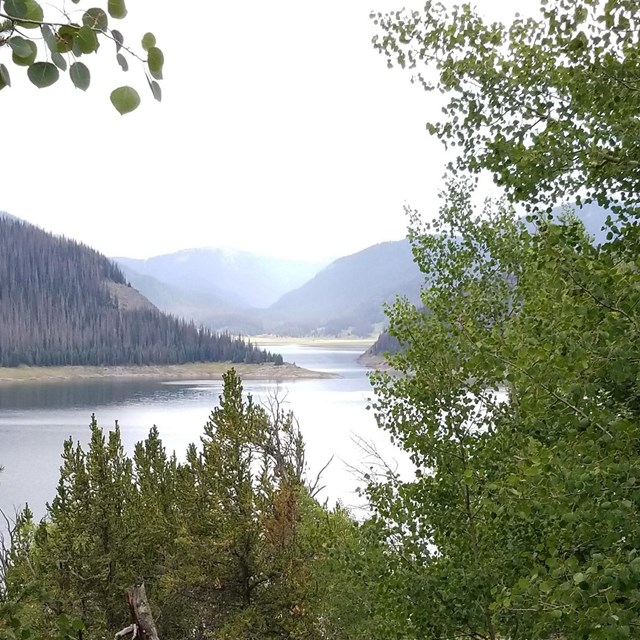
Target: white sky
281, 131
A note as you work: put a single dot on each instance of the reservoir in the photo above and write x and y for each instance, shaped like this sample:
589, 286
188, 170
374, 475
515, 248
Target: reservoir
35, 419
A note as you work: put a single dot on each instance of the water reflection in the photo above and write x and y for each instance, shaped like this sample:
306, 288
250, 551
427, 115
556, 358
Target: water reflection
87, 393
36, 418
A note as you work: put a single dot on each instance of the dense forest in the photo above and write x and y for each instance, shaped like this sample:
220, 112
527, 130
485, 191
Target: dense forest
62, 303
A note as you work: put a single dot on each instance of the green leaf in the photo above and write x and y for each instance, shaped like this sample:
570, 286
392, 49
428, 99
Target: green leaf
118, 39
86, 40
64, 38
125, 99
546, 586
34, 12
117, 9
28, 60
95, 18
580, 15
156, 90
578, 578
59, 61
49, 37
155, 60
22, 48
122, 61
43, 74
80, 75
148, 41
15, 8
5, 80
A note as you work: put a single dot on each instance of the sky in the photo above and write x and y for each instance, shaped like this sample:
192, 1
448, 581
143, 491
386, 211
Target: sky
281, 132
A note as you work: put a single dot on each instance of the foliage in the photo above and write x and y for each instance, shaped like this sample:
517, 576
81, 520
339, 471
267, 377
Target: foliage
516, 393
229, 543
49, 40
548, 105
518, 402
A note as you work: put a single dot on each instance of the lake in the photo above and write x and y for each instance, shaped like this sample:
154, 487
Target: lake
35, 418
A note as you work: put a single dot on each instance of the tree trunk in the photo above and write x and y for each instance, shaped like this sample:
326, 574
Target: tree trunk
142, 625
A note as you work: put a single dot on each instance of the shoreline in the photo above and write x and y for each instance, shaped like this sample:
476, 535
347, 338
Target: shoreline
188, 371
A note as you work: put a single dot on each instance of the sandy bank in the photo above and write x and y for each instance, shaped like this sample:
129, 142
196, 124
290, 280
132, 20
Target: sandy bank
191, 371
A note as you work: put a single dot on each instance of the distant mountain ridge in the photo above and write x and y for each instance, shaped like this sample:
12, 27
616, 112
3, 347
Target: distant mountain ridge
345, 297
236, 279
182, 303
348, 295
63, 303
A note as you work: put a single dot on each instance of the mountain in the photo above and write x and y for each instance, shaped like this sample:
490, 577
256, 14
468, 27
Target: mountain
230, 280
183, 303
348, 295
62, 303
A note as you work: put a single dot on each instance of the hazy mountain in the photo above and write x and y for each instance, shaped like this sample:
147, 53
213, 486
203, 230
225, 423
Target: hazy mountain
62, 303
233, 279
348, 295
183, 303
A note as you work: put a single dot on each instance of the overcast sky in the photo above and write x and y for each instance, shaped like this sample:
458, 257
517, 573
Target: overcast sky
281, 131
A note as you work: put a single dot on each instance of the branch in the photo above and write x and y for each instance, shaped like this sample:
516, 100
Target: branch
42, 23
602, 303
132, 628
314, 489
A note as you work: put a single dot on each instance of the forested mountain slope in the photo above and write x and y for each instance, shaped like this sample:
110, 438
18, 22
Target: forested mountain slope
62, 303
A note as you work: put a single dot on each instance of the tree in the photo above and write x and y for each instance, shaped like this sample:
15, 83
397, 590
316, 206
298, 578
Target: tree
548, 105
516, 391
49, 40
229, 543
518, 402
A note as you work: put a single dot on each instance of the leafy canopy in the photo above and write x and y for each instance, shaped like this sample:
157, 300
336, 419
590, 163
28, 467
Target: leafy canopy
518, 401
516, 393
48, 45
548, 104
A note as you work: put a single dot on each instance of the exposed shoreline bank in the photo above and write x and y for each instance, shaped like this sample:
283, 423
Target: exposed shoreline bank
189, 371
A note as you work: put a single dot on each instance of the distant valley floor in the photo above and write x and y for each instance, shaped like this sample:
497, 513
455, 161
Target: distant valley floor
190, 371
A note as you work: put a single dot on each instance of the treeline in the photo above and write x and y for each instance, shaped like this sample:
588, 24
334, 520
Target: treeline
56, 308
230, 543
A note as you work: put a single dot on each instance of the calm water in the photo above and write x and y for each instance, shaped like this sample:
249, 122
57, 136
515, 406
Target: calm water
36, 418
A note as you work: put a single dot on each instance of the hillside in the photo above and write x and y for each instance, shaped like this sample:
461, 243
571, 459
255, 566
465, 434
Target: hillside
226, 281
348, 295
62, 303
198, 306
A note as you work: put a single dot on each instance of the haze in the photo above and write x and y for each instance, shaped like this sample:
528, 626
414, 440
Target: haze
281, 132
